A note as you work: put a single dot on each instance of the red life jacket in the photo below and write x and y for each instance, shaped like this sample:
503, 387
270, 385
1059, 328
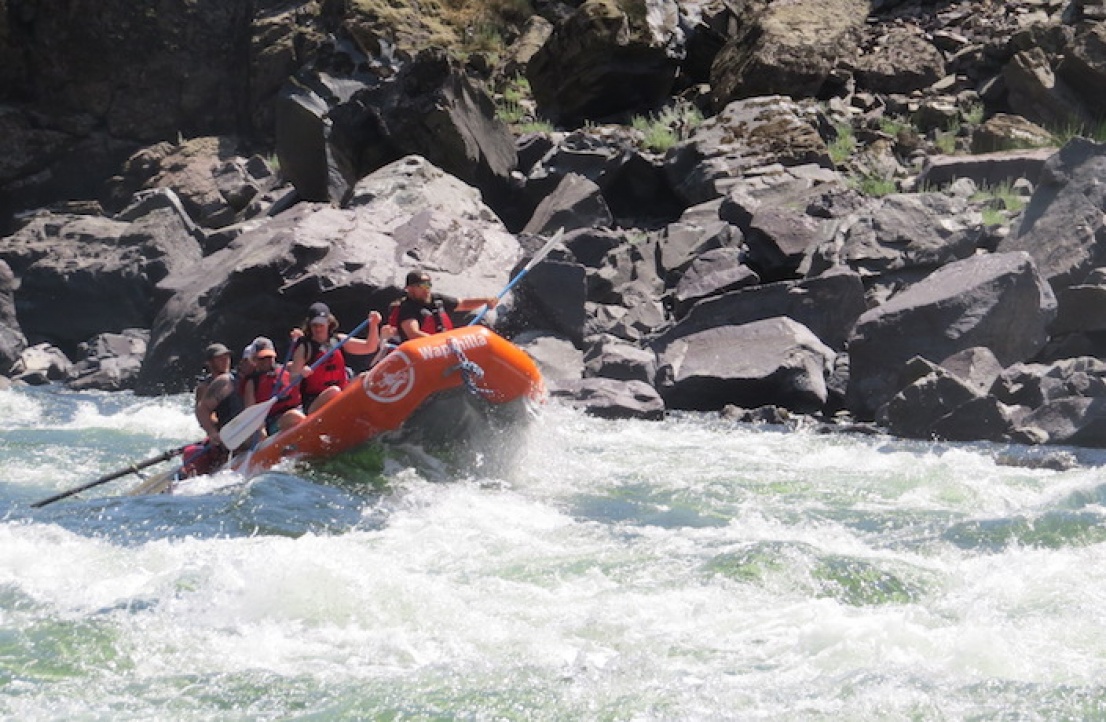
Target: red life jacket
434, 322
331, 373
265, 385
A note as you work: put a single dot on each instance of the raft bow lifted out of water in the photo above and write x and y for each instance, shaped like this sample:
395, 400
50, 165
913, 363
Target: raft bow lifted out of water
493, 370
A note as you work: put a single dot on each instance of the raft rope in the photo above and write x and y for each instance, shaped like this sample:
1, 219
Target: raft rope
470, 370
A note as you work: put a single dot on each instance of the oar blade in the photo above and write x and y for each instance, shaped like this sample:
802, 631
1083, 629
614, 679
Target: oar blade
131, 469
243, 426
544, 251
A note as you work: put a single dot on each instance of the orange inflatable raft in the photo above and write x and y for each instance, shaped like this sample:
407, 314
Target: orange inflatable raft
473, 359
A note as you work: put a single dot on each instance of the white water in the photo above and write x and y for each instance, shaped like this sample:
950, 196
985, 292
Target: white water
690, 569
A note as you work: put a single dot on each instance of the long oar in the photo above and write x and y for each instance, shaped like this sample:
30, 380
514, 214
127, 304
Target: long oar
533, 262
239, 429
133, 468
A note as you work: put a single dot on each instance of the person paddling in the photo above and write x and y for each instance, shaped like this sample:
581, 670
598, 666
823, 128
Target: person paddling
423, 313
319, 336
266, 379
217, 402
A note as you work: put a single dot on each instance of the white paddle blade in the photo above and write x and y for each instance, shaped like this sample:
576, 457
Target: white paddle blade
544, 251
243, 426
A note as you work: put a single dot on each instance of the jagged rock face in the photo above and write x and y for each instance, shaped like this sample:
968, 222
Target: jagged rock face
91, 84
999, 301
12, 340
335, 126
214, 184
786, 48
1084, 66
599, 63
903, 61
746, 134
107, 269
1063, 228
88, 67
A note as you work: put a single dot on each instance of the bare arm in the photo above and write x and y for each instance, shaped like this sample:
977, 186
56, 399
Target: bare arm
369, 345
472, 304
299, 366
411, 329
215, 392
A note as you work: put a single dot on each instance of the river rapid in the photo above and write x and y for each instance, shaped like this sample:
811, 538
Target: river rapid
690, 569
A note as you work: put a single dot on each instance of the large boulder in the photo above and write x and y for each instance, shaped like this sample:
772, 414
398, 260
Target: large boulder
828, 305
337, 122
901, 61
746, 134
1063, 227
407, 215
611, 398
999, 301
83, 275
774, 361
902, 232
788, 48
602, 62
12, 340
111, 361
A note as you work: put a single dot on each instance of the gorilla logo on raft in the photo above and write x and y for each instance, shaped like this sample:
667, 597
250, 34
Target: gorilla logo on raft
391, 380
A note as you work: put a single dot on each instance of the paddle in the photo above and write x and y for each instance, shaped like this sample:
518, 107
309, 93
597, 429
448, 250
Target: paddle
533, 262
133, 468
239, 429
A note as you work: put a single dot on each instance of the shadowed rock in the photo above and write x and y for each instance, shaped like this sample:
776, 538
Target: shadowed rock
998, 301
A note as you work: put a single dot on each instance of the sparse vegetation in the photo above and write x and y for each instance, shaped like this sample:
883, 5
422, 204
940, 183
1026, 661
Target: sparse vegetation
668, 127
510, 106
874, 185
843, 145
1092, 131
1001, 201
974, 113
535, 126
945, 142
892, 125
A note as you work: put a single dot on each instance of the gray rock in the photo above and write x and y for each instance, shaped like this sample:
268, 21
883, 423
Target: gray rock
612, 358
774, 361
998, 301
612, 398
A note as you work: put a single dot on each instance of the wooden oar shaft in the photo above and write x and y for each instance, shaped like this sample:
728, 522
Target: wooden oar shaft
133, 468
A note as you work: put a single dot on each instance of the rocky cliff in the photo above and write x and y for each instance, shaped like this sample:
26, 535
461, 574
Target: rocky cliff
883, 210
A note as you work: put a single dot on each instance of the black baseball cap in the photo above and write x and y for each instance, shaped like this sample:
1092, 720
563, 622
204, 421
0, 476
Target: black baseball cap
414, 278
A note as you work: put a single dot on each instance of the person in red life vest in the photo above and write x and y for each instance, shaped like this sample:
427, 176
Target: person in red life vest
217, 402
245, 368
319, 336
266, 380
422, 312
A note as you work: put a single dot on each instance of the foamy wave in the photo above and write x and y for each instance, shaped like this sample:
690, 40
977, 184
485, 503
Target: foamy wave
18, 410
163, 417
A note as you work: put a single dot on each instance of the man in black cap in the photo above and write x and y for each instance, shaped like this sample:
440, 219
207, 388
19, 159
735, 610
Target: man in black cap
422, 312
217, 400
